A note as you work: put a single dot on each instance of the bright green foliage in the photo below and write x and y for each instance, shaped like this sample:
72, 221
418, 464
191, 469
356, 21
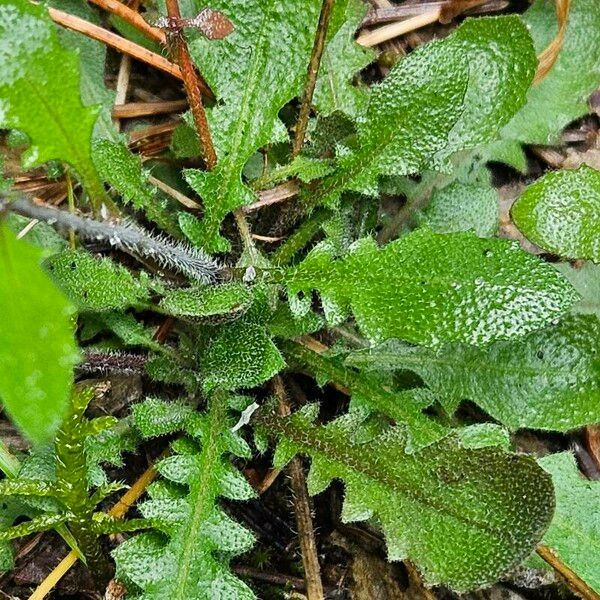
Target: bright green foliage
229, 300
464, 516
37, 346
562, 96
342, 59
429, 288
430, 105
254, 71
42, 236
190, 560
560, 212
123, 170
92, 64
463, 207
96, 285
586, 280
240, 355
119, 167
36, 71
574, 533
550, 379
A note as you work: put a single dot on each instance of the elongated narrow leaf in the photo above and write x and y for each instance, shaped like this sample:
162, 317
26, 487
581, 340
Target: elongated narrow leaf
37, 345
95, 285
431, 104
549, 379
575, 530
560, 212
39, 91
253, 72
429, 288
464, 516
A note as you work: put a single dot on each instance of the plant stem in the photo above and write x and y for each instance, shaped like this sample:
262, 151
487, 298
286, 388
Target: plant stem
133, 18
302, 508
191, 81
311, 77
301, 237
580, 587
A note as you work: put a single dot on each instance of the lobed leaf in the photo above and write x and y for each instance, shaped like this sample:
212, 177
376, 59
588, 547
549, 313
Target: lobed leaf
253, 72
560, 212
191, 562
464, 516
431, 288
37, 346
549, 379
36, 71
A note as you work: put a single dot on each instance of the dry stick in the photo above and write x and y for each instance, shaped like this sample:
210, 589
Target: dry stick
132, 110
311, 76
192, 87
306, 533
388, 32
580, 587
548, 57
132, 17
116, 41
282, 192
118, 511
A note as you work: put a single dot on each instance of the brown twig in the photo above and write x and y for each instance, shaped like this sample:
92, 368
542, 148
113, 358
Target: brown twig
302, 508
115, 41
389, 32
311, 76
282, 192
580, 587
133, 18
548, 57
192, 82
132, 110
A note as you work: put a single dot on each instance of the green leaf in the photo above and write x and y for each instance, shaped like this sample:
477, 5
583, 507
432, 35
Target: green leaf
92, 64
192, 562
586, 281
155, 417
550, 379
96, 285
123, 170
562, 96
38, 70
431, 104
229, 299
560, 212
463, 207
253, 72
574, 533
464, 516
430, 288
37, 346
240, 355
342, 59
